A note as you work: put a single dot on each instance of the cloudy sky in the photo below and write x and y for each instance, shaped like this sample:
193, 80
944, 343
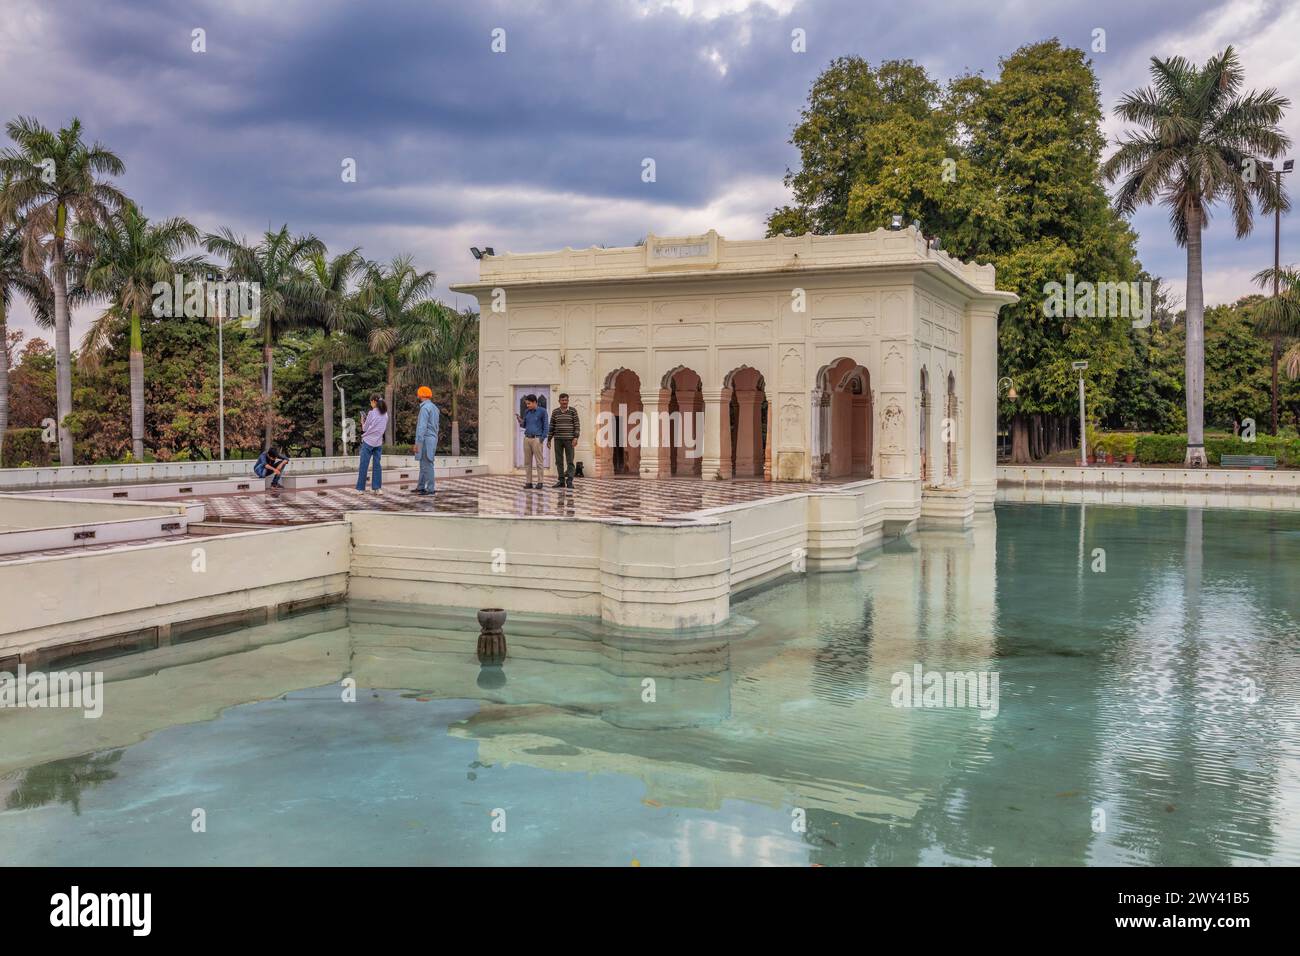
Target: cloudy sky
541, 146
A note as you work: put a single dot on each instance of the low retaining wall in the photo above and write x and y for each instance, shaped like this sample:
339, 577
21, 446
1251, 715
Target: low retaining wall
46, 524
628, 574
138, 594
13, 479
1134, 485
669, 575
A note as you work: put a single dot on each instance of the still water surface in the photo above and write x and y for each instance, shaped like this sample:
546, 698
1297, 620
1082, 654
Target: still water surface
1147, 713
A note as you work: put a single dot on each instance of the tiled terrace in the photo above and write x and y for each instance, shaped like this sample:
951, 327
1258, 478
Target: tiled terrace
634, 499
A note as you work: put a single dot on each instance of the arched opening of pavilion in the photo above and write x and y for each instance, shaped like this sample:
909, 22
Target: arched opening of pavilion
618, 425
843, 419
925, 425
744, 425
679, 431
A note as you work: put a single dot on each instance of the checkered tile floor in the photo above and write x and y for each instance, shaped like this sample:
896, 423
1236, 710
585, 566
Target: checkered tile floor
643, 500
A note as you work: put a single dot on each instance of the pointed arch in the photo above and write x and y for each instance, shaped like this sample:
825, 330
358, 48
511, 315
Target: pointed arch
844, 420
619, 411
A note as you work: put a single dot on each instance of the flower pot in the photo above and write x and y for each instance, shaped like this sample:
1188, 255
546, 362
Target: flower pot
1128, 459
491, 619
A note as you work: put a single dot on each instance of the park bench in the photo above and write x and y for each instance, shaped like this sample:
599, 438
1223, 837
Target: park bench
1248, 461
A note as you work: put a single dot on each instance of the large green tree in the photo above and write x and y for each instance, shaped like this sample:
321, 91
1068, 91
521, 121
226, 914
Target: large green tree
332, 309
17, 280
181, 392
125, 256
53, 181
1278, 318
1200, 143
275, 265
447, 351
402, 314
1004, 170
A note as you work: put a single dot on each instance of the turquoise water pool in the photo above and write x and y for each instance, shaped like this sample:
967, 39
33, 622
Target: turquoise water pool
1140, 704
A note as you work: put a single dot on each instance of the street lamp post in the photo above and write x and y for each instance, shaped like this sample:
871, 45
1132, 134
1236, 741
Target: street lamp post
221, 359
343, 412
1083, 421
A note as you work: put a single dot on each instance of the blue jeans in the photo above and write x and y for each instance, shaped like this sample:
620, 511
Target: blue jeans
262, 472
426, 473
377, 481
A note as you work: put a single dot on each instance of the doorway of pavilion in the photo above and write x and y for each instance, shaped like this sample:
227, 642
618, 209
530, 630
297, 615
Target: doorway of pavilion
543, 394
744, 425
845, 418
680, 438
925, 426
617, 453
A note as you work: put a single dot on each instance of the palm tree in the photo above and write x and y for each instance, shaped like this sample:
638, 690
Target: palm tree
275, 266
1278, 317
1202, 143
397, 301
55, 178
331, 310
125, 257
35, 287
447, 350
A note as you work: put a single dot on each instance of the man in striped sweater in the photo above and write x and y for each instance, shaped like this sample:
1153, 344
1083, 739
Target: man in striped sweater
564, 432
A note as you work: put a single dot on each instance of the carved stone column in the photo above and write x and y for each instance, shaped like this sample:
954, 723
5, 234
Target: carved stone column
711, 464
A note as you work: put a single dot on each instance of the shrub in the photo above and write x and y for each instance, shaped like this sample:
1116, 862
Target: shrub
1161, 449
24, 448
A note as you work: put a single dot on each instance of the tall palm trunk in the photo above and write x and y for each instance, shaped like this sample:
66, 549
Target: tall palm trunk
1277, 360
268, 383
1194, 369
62, 342
455, 426
4, 380
327, 404
388, 397
137, 388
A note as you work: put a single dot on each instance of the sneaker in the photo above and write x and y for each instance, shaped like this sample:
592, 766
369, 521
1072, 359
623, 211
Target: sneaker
569, 485
558, 484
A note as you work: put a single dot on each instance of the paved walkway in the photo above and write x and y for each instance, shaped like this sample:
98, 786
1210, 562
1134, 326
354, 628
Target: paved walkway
646, 500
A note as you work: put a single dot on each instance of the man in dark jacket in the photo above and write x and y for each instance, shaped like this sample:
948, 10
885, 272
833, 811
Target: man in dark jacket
564, 432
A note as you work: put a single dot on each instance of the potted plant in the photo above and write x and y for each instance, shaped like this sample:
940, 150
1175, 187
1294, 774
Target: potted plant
1096, 445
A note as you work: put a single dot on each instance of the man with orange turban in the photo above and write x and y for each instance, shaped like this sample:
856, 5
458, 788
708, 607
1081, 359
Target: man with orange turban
426, 439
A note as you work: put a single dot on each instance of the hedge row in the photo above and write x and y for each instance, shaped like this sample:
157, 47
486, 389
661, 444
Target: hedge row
1172, 449
1285, 450
1161, 449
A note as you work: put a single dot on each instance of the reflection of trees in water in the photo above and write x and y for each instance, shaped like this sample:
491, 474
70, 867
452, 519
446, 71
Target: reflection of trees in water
843, 659
837, 839
62, 781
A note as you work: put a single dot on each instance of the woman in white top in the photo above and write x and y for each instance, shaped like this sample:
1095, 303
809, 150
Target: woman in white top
373, 426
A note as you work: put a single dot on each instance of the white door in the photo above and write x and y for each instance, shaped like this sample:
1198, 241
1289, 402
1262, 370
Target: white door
543, 393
